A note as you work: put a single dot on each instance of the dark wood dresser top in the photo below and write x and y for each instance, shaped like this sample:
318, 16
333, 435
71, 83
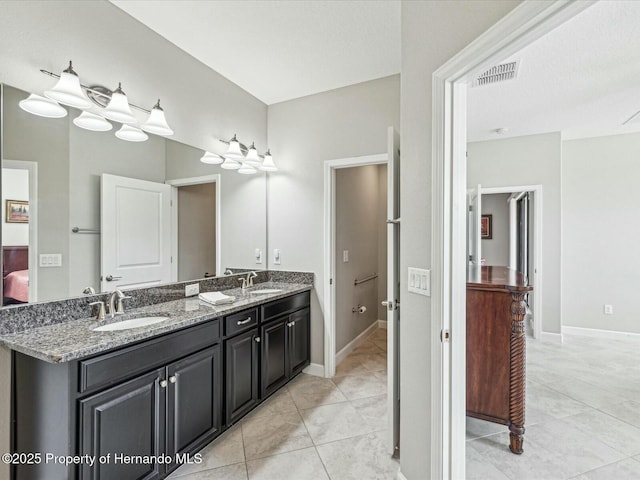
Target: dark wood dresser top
496, 278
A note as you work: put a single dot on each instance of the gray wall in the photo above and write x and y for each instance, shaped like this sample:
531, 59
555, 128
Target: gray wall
382, 241
346, 122
530, 160
495, 251
196, 231
600, 254
432, 32
358, 224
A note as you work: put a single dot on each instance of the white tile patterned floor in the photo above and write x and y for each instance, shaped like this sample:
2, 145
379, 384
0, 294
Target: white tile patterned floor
583, 422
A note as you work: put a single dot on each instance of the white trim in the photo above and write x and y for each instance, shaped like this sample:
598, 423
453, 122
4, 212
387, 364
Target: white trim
382, 324
525, 24
400, 476
33, 264
355, 343
538, 252
551, 337
598, 333
182, 182
329, 168
315, 369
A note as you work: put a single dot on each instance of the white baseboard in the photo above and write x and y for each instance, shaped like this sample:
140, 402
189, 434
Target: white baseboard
401, 476
594, 332
315, 369
353, 344
551, 337
382, 324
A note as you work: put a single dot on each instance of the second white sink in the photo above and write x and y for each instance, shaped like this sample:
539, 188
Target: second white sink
127, 324
267, 290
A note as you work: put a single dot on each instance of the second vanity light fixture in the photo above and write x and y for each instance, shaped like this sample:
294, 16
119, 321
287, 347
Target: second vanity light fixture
114, 106
238, 157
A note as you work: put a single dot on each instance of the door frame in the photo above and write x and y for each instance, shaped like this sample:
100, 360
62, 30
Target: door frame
32, 168
330, 167
183, 182
537, 245
525, 24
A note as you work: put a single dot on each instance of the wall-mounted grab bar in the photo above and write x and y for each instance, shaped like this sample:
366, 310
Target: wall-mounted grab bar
366, 279
85, 230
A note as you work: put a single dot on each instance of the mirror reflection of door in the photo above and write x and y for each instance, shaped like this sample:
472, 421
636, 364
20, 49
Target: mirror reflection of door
18, 240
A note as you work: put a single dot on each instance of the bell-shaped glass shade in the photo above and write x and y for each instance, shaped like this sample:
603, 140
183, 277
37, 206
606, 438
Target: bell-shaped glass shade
252, 156
267, 164
118, 108
93, 122
230, 164
211, 159
131, 134
156, 123
68, 91
247, 169
42, 106
234, 151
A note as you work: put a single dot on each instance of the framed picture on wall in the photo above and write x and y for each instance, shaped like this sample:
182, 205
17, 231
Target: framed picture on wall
17, 211
485, 227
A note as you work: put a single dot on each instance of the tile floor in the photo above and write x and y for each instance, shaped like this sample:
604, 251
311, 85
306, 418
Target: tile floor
314, 428
583, 422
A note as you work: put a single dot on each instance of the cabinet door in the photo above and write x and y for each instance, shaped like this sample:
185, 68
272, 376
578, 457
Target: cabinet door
275, 366
128, 420
299, 339
241, 374
194, 400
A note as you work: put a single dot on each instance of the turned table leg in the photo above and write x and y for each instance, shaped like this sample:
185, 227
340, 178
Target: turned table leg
517, 383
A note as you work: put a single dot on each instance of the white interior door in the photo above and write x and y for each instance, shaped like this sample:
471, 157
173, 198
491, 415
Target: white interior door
135, 232
474, 229
393, 289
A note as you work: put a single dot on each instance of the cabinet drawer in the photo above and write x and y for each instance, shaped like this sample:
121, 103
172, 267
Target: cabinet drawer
130, 361
285, 305
241, 321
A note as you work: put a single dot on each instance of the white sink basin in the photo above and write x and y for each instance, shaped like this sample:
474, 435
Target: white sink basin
267, 290
127, 324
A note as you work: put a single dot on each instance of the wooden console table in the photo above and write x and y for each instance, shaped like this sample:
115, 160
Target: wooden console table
496, 348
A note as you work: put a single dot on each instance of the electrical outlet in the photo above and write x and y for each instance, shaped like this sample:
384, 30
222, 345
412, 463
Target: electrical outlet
191, 290
608, 309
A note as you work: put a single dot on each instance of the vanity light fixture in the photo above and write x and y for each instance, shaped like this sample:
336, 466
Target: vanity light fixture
131, 134
211, 159
42, 106
93, 122
118, 108
156, 123
252, 156
68, 90
234, 152
230, 164
267, 164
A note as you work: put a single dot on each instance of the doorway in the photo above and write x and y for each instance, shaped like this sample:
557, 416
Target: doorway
20, 232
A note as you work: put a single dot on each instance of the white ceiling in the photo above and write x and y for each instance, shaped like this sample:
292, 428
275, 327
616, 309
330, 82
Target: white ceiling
280, 50
581, 79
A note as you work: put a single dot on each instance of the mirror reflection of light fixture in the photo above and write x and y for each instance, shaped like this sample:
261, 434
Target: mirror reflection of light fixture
211, 159
247, 169
267, 164
93, 122
156, 123
68, 90
234, 152
118, 108
252, 156
131, 134
42, 106
230, 164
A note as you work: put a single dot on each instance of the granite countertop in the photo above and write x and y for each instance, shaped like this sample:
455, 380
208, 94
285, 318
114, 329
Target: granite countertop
76, 339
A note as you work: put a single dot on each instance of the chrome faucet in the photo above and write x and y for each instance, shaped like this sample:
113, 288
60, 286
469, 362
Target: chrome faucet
115, 303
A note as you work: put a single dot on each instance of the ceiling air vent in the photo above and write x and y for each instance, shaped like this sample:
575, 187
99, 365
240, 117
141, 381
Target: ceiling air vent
499, 73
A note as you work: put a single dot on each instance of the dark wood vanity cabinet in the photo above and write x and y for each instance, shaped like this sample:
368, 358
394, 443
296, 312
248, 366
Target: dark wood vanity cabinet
242, 374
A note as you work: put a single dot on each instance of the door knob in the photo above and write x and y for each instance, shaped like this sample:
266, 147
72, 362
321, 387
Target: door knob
111, 278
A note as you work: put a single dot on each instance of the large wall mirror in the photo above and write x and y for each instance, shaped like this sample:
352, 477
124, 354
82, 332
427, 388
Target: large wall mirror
53, 229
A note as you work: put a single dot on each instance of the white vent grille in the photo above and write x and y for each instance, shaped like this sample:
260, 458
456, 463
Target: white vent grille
499, 73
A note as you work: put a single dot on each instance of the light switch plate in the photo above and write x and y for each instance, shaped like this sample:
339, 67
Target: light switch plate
258, 255
50, 260
419, 281
345, 256
191, 290
276, 256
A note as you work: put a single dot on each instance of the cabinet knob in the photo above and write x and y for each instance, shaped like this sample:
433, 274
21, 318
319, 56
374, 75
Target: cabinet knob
257, 339
291, 324
163, 383
173, 379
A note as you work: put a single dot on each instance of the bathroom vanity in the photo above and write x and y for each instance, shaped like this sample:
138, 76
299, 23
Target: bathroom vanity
134, 404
